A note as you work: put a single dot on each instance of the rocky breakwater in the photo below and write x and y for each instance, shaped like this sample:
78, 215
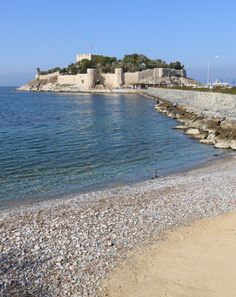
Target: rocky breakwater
208, 127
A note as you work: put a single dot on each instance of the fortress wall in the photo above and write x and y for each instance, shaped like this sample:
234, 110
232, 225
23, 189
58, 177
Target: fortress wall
79, 79
145, 73
119, 72
85, 81
131, 77
171, 72
108, 79
47, 76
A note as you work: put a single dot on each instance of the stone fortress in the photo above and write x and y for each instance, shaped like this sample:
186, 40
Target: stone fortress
119, 79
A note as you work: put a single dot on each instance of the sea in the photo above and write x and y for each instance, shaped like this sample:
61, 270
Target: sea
58, 144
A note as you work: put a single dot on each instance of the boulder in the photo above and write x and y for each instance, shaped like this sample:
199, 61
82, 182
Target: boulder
193, 131
181, 127
211, 138
223, 144
233, 144
206, 141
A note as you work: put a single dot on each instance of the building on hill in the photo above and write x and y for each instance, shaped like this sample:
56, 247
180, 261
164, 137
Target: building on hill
80, 57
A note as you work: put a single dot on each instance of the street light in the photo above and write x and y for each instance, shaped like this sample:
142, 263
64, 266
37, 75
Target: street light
208, 72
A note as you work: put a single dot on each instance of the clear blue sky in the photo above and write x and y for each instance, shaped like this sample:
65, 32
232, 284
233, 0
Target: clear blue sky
49, 33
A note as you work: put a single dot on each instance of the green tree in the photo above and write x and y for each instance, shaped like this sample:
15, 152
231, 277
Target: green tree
84, 64
176, 65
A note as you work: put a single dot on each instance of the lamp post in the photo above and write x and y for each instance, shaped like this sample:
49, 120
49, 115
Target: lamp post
208, 72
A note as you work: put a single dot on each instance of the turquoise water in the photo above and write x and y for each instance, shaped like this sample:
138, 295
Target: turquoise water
56, 144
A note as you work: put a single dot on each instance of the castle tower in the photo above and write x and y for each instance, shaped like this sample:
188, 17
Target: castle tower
81, 57
119, 77
91, 80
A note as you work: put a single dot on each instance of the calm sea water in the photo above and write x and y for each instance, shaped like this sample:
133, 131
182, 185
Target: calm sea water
56, 144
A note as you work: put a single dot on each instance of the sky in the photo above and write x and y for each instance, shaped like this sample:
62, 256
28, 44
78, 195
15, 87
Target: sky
49, 33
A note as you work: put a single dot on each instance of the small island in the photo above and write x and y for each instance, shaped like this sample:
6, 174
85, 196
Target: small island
106, 74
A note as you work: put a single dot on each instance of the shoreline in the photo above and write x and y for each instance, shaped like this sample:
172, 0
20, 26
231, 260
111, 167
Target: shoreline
68, 246
8, 204
72, 244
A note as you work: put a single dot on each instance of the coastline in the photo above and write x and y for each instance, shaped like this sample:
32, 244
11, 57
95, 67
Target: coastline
8, 204
83, 238
68, 246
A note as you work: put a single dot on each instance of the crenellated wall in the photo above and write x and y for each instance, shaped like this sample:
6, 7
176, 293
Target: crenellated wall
110, 80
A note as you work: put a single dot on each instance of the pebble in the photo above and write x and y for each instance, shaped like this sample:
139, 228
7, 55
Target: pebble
66, 247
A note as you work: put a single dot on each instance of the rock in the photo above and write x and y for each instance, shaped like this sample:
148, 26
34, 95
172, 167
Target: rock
211, 138
206, 141
181, 127
211, 125
223, 144
201, 135
196, 124
233, 144
193, 131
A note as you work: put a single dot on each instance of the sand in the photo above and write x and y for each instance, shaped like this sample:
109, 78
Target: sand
199, 260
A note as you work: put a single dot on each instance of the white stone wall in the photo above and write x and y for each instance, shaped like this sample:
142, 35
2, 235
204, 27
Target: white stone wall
108, 79
85, 81
119, 78
131, 77
145, 74
47, 76
203, 100
164, 72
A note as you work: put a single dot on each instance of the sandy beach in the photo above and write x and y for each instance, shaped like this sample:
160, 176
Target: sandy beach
67, 247
198, 260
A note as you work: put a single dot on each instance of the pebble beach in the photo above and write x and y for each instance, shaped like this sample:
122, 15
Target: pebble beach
66, 247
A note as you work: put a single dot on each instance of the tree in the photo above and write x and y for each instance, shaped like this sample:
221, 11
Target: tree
176, 65
84, 64
105, 64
